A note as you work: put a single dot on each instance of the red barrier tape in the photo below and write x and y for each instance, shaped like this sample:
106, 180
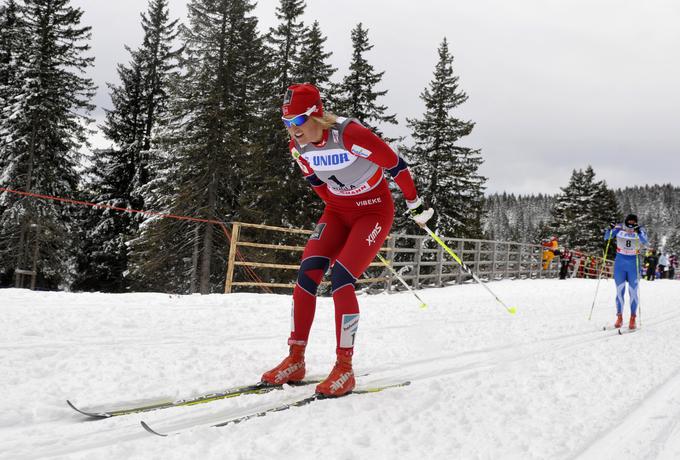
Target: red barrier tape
249, 270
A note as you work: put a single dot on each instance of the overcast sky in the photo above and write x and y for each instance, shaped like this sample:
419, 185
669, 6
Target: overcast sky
552, 85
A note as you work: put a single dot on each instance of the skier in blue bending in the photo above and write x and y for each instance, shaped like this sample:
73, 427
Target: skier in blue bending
629, 237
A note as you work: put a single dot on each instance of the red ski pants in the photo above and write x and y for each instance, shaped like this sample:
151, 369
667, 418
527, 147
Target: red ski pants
347, 240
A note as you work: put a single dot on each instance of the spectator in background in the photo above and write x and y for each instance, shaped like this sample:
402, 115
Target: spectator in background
549, 248
650, 262
593, 267
672, 263
663, 264
566, 258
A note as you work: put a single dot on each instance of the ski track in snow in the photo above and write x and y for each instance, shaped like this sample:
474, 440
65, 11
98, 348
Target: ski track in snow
648, 430
545, 383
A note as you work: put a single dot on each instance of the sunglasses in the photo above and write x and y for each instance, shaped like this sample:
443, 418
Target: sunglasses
298, 120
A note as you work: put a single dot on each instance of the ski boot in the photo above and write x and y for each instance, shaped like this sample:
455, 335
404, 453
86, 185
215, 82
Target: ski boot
619, 321
291, 369
341, 379
631, 324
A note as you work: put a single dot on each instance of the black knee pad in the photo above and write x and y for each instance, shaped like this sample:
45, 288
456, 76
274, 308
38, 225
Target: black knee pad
340, 277
311, 263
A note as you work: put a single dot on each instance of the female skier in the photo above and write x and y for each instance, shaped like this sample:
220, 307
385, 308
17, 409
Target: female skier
344, 163
629, 237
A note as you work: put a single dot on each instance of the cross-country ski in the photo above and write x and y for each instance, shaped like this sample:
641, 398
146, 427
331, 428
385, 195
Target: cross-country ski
281, 407
256, 388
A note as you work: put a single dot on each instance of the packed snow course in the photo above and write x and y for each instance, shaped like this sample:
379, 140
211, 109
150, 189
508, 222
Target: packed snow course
544, 383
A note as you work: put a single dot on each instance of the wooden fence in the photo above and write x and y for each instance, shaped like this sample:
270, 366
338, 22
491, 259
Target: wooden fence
419, 260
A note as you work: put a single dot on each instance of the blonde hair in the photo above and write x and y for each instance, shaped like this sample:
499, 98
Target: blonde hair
326, 121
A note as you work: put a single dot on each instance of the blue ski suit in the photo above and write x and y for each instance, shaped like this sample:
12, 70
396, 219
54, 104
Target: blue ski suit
626, 267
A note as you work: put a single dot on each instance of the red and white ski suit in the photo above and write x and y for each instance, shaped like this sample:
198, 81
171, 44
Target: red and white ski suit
346, 169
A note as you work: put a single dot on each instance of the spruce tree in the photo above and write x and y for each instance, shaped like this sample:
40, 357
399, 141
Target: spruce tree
275, 192
447, 174
118, 175
46, 127
672, 245
582, 211
313, 66
204, 142
358, 94
9, 48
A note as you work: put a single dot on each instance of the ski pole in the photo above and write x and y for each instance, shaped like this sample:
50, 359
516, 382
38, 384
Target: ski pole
511, 310
423, 305
599, 277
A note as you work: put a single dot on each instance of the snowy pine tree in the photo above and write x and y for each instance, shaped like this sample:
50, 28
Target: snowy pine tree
119, 174
357, 94
447, 174
313, 66
275, 193
10, 45
203, 145
672, 245
583, 210
44, 129
9, 48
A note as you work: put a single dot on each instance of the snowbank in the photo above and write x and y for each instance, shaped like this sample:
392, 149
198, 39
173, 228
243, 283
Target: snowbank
545, 383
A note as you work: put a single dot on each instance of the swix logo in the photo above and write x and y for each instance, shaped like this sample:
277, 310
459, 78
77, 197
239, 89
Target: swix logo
369, 202
374, 234
284, 373
331, 160
338, 384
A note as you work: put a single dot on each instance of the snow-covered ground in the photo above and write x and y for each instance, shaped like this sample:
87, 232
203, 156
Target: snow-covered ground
544, 384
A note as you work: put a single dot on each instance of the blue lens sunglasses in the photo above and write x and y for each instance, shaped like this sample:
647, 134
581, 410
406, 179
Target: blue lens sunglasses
298, 120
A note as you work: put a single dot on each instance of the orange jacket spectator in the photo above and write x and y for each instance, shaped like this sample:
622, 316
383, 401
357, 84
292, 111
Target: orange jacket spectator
550, 246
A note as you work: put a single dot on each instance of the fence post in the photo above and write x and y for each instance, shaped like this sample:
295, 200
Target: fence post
417, 259
194, 259
507, 260
477, 259
440, 265
232, 257
391, 243
493, 261
461, 254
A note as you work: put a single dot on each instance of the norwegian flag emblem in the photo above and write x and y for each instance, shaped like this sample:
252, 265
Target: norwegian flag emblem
288, 97
286, 101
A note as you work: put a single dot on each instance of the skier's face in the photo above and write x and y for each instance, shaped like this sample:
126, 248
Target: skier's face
306, 133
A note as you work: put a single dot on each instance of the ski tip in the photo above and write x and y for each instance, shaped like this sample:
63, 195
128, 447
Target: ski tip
151, 430
512, 310
96, 415
620, 333
423, 306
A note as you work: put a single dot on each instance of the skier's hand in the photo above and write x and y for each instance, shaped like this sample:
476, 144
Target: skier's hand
612, 225
636, 228
418, 212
